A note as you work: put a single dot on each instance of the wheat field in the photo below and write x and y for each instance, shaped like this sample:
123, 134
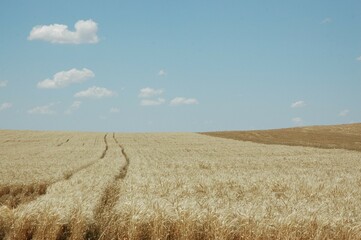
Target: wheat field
68, 185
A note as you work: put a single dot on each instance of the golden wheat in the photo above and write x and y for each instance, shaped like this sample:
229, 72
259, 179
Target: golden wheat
191, 186
28, 156
30, 161
72, 203
184, 186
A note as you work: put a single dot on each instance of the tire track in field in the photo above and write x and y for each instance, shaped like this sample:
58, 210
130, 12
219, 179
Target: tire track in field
109, 199
66, 141
125, 169
67, 176
106, 146
14, 195
71, 173
68, 230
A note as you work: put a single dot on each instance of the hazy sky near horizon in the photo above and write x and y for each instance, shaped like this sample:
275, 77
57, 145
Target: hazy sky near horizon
135, 66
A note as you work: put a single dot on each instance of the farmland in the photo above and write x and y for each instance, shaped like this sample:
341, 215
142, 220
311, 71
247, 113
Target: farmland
345, 136
68, 185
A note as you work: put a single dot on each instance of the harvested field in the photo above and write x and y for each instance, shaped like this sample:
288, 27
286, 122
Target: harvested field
346, 136
189, 186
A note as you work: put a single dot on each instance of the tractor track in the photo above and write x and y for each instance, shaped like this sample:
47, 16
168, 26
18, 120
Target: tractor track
106, 146
14, 195
125, 168
66, 141
109, 199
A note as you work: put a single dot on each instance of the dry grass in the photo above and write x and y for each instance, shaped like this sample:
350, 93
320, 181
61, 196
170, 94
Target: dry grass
192, 186
346, 136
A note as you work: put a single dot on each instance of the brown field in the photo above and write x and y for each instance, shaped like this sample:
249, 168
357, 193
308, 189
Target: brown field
346, 136
174, 186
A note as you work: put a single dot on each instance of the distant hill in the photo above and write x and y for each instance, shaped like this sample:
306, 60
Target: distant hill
346, 136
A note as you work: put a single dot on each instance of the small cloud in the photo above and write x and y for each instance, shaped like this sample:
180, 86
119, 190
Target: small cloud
183, 101
95, 92
114, 110
75, 106
297, 121
358, 58
151, 102
44, 110
3, 83
65, 78
326, 21
5, 106
344, 113
298, 104
162, 73
85, 32
149, 92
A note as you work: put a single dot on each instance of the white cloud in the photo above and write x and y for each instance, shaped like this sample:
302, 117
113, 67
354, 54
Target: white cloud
65, 78
151, 102
5, 106
298, 104
85, 32
297, 120
73, 107
344, 113
3, 83
326, 20
45, 110
183, 101
95, 92
149, 92
162, 73
359, 58
114, 110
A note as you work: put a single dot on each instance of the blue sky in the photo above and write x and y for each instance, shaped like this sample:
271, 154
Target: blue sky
135, 66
